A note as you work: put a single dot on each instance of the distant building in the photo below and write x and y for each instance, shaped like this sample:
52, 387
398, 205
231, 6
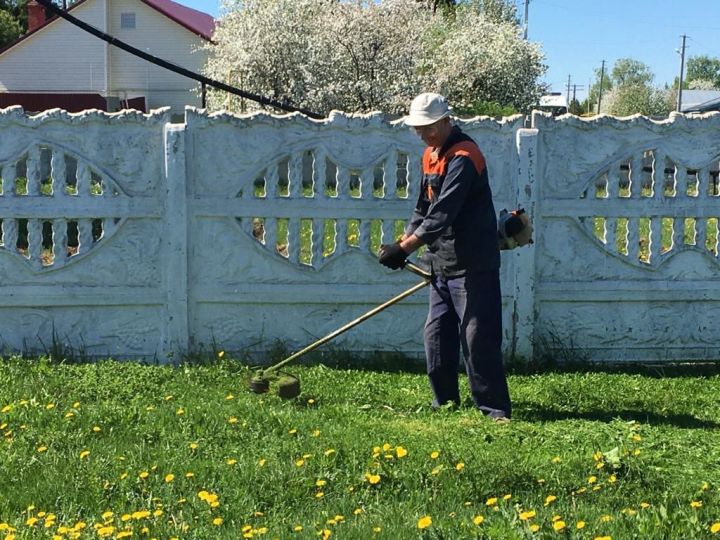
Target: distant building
555, 103
700, 101
56, 64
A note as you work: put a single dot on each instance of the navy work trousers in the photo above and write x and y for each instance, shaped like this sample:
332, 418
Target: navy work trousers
465, 312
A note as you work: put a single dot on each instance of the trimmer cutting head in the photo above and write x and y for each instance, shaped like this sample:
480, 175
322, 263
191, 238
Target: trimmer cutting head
287, 386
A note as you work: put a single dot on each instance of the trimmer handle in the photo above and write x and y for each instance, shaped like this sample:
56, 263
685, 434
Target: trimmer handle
415, 269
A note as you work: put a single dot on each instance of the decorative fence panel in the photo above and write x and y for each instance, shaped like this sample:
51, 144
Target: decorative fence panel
128, 236
627, 258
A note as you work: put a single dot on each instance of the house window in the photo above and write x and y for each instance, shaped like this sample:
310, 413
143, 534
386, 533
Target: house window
127, 21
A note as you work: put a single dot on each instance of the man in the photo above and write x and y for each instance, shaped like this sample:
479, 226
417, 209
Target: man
455, 217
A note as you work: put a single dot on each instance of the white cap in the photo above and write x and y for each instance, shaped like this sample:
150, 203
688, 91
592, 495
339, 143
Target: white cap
427, 109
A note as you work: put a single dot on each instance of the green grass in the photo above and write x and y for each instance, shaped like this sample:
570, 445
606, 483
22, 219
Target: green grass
163, 451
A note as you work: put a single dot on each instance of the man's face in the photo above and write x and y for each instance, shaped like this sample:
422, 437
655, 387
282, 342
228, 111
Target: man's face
433, 134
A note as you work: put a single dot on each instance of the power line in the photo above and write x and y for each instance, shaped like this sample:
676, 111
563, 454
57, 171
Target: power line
173, 67
602, 76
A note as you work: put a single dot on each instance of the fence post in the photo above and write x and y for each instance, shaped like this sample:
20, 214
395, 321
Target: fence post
526, 141
175, 337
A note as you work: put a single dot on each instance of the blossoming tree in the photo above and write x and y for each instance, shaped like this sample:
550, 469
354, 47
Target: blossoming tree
366, 55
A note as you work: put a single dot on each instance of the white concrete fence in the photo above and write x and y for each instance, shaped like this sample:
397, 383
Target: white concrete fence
128, 236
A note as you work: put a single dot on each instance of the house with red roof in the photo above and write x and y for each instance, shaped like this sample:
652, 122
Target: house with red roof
57, 64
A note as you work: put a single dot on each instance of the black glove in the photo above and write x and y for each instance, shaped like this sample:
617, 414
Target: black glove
392, 256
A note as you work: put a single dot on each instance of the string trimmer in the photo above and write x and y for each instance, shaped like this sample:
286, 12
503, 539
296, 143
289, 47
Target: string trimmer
288, 386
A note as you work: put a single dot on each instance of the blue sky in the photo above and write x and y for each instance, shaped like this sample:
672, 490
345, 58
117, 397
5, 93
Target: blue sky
577, 35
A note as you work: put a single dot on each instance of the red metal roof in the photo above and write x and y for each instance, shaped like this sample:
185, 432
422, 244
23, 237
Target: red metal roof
196, 21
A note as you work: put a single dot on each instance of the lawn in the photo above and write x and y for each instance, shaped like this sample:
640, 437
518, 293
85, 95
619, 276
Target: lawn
121, 450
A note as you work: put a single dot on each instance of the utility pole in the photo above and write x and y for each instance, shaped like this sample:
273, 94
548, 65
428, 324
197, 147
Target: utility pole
602, 77
525, 20
682, 67
567, 98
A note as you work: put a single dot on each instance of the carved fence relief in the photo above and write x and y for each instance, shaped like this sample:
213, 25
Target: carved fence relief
126, 235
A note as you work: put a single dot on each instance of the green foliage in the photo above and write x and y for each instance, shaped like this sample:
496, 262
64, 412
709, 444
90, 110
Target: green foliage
10, 28
112, 448
703, 68
487, 108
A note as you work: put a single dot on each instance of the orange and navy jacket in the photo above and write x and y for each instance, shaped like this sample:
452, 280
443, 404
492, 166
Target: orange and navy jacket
454, 214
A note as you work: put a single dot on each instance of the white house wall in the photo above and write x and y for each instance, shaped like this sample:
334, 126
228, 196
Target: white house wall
59, 58
157, 35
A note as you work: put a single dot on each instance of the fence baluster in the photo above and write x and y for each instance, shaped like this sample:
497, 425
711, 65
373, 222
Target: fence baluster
367, 183
390, 176
701, 232
387, 231
319, 173
613, 182
680, 180
84, 235
34, 240
295, 175
294, 240
343, 183
414, 173
272, 181
33, 172
57, 172
10, 234
611, 234
341, 242
270, 234
636, 176
364, 242
60, 241
633, 238
678, 232
317, 235
655, 238
703, 179
9, 173
82, 176
658, 174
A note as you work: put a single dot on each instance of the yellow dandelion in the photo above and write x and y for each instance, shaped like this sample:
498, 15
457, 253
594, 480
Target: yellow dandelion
357, 511
636, 452
592, 479
436, 470
232, 420
606, 518
229, 397
644, 505
107, 515
507, 497
580, 525
42, 449
217, 521
169, 478
299, 462
298, 528
325, 533
261, 462
144, 474
220, 354
372, 478
696, 504
319, 495
556, 459
549, 499
157, 513
434, 455
401, 452
612, 479
311, 401
524, 516
189, 474
329, 452
125, 517
534, 527
316, 433
320, 482
84, 454
715, 528
424, 522
106, 531
97, 429
603, 538
460, 466
50, 406
559, 525
377, 529
293, 431
193, 446
492, 501
477, 520
31, 521
231, 461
